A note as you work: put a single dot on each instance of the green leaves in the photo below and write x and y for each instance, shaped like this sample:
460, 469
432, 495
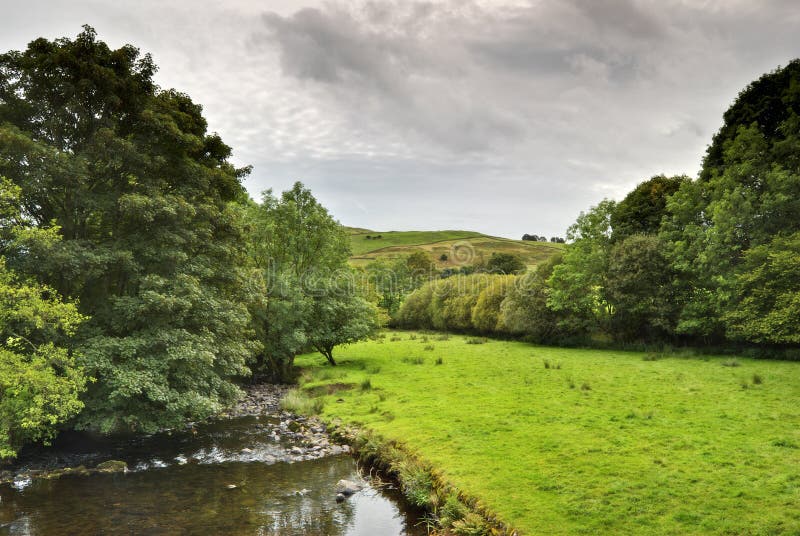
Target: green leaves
142, 196
301, 254
40, 383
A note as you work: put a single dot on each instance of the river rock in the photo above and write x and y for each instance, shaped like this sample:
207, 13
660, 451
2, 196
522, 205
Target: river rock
348, 487
112, 466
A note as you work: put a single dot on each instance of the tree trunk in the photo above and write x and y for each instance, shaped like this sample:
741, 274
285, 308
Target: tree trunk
328, 353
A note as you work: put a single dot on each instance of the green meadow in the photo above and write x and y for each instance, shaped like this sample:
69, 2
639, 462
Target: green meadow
360, 244
566, 441
475, 247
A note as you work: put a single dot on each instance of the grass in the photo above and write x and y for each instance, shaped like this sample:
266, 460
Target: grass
301, 403
395, 244
610, 444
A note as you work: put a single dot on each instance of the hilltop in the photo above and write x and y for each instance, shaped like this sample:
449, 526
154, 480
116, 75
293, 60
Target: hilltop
459, 247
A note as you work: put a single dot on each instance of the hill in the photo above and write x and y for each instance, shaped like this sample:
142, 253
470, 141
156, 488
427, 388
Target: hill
459, 247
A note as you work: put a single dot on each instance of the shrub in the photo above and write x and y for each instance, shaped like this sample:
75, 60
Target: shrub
757, 379
439, 361
366, 384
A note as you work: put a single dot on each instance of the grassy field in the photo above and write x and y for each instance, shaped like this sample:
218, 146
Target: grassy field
565, 441
474, 246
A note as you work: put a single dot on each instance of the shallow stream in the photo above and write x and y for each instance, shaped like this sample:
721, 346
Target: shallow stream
228, 477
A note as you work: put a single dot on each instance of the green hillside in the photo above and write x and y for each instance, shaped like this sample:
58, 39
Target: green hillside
460, 247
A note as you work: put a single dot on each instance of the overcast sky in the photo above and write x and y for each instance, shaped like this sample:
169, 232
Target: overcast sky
505, 117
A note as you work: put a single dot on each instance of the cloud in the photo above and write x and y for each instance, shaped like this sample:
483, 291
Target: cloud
505, 116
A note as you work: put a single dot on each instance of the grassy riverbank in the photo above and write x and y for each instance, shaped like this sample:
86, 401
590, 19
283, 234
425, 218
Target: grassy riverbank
563, 441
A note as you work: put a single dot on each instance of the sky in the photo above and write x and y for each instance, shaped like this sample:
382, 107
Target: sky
505, 117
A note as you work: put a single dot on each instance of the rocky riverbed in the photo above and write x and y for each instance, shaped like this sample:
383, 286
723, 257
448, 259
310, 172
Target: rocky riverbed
275, 436
308, 435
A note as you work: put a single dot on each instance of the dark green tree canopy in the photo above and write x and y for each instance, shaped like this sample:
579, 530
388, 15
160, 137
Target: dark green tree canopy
141, 194
643, 208
766, 103
505, 263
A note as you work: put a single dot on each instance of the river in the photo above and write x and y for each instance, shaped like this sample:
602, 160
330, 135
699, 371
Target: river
225, 477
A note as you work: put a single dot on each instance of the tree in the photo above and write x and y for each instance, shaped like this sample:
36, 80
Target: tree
639, 289
766, 104
643, 208
766, 307
143, 197
40, 382
524, 311
339, 316
420, 267
748, 194
505, 263
300, 251
415, 312
486, 316
577, 283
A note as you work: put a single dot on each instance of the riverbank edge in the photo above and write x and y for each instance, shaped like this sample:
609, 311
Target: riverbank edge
422, 484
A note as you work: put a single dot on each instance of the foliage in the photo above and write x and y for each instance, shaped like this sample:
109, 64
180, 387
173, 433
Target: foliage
505, 263
486, 314
416, 309
766, 308
747, 195
644, 207
639, 288
306, 295
140, 192
524, 310
455, 303
576, 284
766, 103
40, 383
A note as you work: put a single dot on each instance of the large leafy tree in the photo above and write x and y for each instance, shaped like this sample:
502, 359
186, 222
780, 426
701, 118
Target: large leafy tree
577, 283
299, 250
141, 195
644, 207
639, 288
748, 195
766, 307
524, 311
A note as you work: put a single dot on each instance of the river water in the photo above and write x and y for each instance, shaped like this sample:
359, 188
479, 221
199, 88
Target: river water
226, 477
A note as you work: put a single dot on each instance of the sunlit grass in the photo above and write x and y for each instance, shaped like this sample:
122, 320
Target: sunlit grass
607, 443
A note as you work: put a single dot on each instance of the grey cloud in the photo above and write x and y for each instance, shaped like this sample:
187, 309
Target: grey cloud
502, 116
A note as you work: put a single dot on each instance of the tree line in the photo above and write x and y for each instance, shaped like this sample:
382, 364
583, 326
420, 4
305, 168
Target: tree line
711, 261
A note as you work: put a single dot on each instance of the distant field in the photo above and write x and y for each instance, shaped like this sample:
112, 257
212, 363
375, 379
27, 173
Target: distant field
601, 442
460, 247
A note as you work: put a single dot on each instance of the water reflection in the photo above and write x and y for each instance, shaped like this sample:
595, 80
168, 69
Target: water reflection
173, 495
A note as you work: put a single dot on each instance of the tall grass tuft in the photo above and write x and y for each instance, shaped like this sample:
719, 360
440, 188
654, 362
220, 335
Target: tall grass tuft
299, 403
